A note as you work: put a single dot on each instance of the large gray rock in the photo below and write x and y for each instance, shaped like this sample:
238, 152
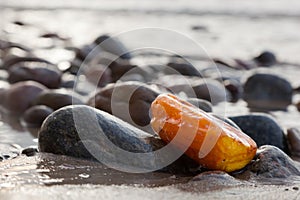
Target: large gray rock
262, 129
267, 92
85, 132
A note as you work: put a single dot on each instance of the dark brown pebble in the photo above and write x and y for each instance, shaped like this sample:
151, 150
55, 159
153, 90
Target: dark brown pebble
298, 106
235, 88
34, 116
135, 96
14, 60
29, 151
41, 72
19, 97
119, 68
56, 99
293, 138
295, 188
181, 67
99, 75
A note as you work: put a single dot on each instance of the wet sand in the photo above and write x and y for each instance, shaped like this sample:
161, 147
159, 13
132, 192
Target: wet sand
49, 176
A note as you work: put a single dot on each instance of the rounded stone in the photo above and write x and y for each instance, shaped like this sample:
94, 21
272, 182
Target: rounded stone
41, 72
235, 88
293, 137
35, 115
19, 96
271, 162
29, 151
267, 92
181, 67
266, 58
129, 101
119, 68
56, 99
263, 129
200, 103
11, 61
79, 130
211, 90
98, 75
112, 45
195, 87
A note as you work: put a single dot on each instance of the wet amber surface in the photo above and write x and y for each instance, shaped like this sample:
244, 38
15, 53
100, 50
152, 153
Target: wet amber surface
211, 142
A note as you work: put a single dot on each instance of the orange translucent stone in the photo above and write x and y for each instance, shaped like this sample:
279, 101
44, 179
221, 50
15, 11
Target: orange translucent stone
206, 139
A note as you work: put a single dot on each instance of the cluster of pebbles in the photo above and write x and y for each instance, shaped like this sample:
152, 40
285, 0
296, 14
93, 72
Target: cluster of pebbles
44, 96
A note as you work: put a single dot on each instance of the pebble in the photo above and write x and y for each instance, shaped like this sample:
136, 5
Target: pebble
266, 59
9, 62
267, 92
30, 151
211, 90
56, 99
98, 75
113, 46
41, 72
19, 97
209, 181
60, 134
132, 97
235, 88
263, 129
35, 115
119, 68
181, 67
271, 162
202, 104
195, 87
293, 137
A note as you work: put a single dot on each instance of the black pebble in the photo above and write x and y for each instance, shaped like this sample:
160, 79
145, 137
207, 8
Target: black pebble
29, 151
295, 188
266, 58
